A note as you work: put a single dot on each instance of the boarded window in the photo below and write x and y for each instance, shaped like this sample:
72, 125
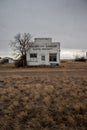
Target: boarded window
53, 57
33, 55
43, 58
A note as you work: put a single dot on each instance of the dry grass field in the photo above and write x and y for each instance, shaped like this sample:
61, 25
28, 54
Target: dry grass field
44, 98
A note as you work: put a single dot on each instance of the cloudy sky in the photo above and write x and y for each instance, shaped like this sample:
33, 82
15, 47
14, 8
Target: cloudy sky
63, 20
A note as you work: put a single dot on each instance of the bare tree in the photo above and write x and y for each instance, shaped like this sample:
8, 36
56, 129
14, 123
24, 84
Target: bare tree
20, 46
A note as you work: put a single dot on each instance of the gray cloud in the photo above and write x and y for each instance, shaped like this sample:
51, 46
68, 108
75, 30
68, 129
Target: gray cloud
63, 20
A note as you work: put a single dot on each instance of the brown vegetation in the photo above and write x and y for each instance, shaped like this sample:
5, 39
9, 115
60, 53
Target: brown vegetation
44, 98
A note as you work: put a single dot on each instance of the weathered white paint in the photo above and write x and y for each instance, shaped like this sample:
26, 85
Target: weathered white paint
43, 47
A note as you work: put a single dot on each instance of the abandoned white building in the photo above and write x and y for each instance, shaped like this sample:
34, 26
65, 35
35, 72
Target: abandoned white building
43, 52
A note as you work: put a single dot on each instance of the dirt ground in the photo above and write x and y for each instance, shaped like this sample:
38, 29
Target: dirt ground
44, 98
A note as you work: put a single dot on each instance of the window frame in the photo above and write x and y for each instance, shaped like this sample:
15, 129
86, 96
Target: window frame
33, 55
52, 57
43, 58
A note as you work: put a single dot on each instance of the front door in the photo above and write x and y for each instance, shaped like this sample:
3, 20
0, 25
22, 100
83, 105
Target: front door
43, 60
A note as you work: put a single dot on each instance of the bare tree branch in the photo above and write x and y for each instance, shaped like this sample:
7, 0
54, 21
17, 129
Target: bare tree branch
21, 44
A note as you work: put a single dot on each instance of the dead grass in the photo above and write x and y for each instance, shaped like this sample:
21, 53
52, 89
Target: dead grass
43, 99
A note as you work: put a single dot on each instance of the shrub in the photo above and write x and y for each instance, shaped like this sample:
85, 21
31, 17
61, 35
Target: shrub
80, 59
21, 62
18, 63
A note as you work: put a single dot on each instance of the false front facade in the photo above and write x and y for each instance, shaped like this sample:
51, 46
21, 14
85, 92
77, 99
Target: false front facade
43, 52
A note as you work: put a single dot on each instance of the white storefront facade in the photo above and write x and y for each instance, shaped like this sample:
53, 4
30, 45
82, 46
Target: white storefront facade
43, 52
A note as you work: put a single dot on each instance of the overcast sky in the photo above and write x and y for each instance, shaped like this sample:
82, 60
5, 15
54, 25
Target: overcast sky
63, 20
